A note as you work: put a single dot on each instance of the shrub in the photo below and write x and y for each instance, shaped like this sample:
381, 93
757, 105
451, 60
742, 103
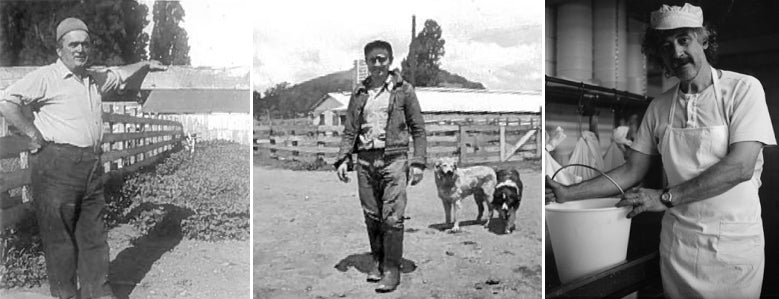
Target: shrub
213, 185
21, 256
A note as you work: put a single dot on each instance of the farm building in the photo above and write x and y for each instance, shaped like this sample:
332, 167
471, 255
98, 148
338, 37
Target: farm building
330, 110
214, 104
209, 113
444, 105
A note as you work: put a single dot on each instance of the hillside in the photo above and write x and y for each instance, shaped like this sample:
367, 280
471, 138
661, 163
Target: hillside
299, 98
448, 79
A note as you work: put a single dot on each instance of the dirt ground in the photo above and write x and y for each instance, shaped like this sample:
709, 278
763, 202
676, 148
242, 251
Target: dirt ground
165, 265
310, 241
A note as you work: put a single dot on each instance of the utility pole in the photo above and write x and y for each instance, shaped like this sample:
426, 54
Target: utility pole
413, 51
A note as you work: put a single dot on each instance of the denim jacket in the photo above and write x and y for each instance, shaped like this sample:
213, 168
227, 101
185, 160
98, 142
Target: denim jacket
404, 119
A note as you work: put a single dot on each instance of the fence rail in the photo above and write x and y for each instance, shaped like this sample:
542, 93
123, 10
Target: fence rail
131, 141
471, 144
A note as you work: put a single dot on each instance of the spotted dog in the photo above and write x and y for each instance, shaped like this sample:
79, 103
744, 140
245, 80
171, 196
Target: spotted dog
456, 183
508, 194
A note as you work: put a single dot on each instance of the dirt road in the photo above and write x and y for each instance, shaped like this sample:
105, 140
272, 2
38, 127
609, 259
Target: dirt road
310, 242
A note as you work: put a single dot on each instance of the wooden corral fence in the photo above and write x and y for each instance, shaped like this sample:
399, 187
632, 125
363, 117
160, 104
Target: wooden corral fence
131, 140
301, 121
262, 127
470, 143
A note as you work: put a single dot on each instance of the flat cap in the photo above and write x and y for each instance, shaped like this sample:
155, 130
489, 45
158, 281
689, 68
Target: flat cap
672, 17
70, 24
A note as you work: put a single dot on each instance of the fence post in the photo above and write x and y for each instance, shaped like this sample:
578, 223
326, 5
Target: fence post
3, 127
461, 144
503, 142
24, 163
539, 140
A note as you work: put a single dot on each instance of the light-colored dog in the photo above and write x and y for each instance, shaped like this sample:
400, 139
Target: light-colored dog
456, 183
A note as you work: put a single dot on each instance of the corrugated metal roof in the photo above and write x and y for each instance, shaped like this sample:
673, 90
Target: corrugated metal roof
198, 101
341, 97
449, 100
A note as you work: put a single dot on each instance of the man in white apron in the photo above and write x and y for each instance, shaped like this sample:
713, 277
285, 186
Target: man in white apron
709, 131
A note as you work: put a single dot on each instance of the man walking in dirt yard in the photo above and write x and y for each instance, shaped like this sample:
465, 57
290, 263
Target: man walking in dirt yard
380, 116
66, 135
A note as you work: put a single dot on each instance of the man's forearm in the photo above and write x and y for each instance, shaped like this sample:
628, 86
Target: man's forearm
136, 69
602, 186
719, 178
627, 175
13, 113
416, 126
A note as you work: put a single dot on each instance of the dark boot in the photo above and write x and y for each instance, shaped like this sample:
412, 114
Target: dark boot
393, 253
375, 237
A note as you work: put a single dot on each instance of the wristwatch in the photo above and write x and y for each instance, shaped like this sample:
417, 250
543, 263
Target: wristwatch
666, 198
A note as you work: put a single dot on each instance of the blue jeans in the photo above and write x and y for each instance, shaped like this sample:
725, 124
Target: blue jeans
381, 181
69, 203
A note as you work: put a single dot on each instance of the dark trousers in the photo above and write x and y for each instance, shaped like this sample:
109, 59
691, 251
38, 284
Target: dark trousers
69, 203
382, 186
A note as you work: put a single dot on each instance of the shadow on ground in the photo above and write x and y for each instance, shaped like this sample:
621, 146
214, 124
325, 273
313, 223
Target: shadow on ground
132, 264
497, 226
362, 262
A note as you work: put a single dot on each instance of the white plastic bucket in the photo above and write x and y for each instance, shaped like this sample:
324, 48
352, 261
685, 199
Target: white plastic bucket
588, 236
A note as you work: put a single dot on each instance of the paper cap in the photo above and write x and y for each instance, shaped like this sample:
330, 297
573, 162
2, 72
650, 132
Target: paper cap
672, 17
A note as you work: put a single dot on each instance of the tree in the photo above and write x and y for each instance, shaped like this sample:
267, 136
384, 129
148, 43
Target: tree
28, 28
169, 41
427, 49
275, 90
269, 100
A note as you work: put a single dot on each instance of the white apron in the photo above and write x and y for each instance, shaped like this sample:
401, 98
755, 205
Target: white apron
713, 248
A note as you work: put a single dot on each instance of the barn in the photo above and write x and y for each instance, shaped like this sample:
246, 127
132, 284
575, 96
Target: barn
442, 105
209, 103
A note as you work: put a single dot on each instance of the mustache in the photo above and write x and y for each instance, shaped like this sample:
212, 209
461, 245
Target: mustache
680, 62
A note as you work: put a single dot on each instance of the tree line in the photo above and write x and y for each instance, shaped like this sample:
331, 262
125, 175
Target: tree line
27, 31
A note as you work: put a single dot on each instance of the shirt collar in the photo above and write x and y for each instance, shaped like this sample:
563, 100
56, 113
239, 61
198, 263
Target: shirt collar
393, 80
389, 84
63, 70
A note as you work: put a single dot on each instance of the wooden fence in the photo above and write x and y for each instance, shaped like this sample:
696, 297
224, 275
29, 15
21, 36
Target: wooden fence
130, 141
471, 144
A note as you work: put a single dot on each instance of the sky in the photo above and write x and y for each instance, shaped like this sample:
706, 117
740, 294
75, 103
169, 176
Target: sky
219, 32
295, 40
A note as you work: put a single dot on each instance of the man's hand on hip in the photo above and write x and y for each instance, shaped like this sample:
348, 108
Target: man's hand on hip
36, 142
416, 175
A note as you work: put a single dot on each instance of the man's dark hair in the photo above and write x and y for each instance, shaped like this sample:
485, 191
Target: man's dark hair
378, 44
654, 39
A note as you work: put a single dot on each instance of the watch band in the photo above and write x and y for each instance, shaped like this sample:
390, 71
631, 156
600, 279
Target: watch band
666, 198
